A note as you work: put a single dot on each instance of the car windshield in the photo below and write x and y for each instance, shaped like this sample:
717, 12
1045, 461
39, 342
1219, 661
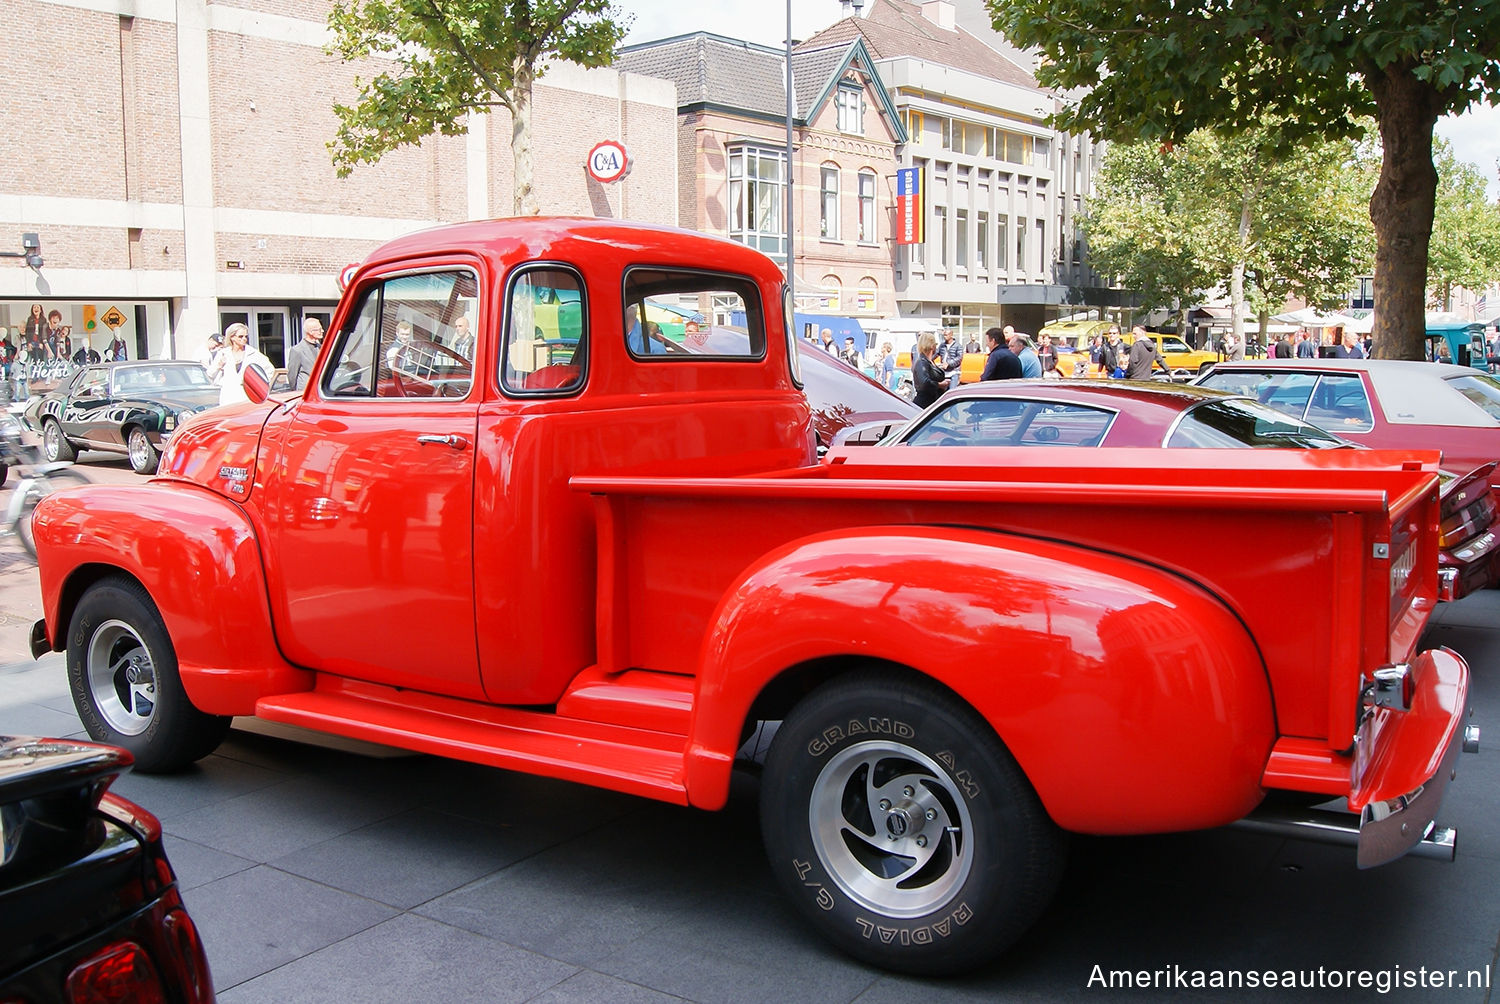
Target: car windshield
131, 379
1241, 423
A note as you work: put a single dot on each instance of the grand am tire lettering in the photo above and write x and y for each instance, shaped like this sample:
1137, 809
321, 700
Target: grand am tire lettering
904, 830
873, 726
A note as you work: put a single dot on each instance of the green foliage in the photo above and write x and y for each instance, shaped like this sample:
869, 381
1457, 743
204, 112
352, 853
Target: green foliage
452, 57
1162, 69
1465, 249
1167, 222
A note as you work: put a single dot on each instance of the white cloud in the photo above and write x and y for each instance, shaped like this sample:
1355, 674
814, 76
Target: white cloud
750, 20
1475, 136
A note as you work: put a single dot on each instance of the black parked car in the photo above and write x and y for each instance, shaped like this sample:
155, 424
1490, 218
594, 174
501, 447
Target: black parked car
89, 907
129, 408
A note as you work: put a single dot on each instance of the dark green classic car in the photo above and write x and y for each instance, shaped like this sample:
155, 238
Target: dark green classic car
130, 408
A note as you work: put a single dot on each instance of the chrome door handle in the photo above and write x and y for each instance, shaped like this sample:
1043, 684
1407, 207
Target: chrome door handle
457, 442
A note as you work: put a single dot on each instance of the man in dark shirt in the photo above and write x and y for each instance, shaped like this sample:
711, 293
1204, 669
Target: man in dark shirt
1283, 347
950, 352
1002, 364
1143, 355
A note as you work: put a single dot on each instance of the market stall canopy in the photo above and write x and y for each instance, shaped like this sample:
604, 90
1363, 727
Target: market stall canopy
1311, 317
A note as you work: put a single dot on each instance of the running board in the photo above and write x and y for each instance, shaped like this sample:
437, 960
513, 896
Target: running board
632, 760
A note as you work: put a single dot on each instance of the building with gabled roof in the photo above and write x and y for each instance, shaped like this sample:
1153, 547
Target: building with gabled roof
732, 164
1002, 192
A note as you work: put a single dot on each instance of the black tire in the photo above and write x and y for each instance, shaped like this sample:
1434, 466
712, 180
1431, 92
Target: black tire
143, 456
869, 874
39, 488
55, 445
122, 671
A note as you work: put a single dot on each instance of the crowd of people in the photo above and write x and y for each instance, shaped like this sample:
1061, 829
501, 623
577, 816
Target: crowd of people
937, 362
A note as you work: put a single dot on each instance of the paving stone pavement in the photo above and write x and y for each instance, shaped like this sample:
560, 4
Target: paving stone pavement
319, 874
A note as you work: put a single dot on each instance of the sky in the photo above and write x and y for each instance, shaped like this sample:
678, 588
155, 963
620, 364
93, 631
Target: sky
1475, 136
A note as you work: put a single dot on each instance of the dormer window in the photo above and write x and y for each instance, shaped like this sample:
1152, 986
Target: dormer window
850, 101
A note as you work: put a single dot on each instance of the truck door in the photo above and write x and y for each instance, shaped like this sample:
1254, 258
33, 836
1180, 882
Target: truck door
374, 494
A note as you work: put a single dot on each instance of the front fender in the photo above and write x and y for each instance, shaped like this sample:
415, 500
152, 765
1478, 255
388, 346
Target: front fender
197, 555
1134, 700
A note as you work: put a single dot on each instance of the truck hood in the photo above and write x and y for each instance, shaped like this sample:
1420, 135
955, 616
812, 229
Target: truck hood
219, 448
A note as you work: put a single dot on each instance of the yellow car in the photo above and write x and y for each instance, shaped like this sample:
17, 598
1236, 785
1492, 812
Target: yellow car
1072, 340
1186, 362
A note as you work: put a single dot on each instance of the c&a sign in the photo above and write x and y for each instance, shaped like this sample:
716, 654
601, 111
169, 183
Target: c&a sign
608, 161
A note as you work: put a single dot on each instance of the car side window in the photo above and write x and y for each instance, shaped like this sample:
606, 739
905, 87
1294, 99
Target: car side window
412, 336
1288, 393
545, 348
673, 314
1013, 422
1340, 404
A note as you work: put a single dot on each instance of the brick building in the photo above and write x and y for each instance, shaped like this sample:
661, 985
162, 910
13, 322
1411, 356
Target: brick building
732, 159
171, 155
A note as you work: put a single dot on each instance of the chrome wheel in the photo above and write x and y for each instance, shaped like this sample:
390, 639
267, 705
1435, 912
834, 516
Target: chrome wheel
121, 677
890, 829
52, 442
143, 455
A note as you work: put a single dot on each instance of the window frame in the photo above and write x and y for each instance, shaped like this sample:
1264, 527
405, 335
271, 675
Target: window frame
828, 201
584, 337
377, 285
868, 223
743, 221
729, 278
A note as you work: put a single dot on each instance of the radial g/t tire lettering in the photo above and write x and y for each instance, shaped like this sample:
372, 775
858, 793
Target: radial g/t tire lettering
122, 671
902, 828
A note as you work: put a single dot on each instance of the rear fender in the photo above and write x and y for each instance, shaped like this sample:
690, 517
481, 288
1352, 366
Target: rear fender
1134, 700
196, 553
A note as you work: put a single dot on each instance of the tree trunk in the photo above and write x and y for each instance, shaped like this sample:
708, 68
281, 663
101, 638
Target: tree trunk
1402, 209
1237, 277
524, 202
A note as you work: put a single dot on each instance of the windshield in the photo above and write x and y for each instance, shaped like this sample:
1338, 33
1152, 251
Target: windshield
1240, 423
155, 378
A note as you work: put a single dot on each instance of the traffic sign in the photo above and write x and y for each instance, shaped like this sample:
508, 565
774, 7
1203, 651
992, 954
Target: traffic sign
609, 161
113, 318
347, 276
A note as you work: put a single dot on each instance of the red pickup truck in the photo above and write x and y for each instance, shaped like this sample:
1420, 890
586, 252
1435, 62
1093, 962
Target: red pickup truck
591, 543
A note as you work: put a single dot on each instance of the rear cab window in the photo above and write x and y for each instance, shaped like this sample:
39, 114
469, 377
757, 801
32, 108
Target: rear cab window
679, 314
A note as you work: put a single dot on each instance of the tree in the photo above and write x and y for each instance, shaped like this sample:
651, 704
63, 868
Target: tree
1160, 69
453, 58
1218, 211
1135, 227
1465, 247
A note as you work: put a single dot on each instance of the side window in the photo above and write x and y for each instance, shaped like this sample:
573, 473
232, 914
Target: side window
411, 336
677, 314
1340, 405
1288, 393
546, 344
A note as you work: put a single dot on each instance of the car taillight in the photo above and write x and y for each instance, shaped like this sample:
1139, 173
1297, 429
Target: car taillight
119, 974
1473, 519
189, 958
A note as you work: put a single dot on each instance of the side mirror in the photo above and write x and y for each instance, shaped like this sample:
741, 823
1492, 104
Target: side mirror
257, 387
